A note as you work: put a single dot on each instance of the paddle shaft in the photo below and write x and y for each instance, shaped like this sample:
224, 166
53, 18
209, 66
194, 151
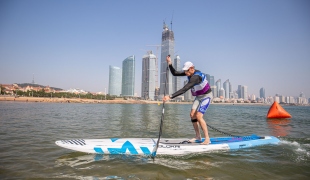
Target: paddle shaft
162, 118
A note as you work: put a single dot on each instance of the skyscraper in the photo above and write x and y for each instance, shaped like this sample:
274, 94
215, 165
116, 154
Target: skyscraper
218, 87
128, 76
176, 80
262, 93
167, 47
148, 76
214, 91
222, 93
226, 86
239, 91
244, 92
211, 81
115, 81
208, 79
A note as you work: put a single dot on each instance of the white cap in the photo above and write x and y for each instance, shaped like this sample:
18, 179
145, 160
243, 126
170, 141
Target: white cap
187, 65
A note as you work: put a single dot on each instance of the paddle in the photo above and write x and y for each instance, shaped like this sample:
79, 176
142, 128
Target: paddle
162, 118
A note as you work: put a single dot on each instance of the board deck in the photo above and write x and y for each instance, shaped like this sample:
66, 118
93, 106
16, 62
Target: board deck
167, 146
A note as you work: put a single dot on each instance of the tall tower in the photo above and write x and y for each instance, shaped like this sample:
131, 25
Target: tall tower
262, 93
115, 81
176, 80
244, 92
218, 87
167, 47
208, 79
239, 91
211, 81
226, 85
128, 76
148, 76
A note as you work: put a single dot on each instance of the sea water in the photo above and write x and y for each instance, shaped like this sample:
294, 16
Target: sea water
28, 132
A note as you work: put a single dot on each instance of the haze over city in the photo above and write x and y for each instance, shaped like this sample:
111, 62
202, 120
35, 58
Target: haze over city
70, 44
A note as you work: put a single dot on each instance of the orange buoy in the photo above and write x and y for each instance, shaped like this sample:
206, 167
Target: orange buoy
276, 111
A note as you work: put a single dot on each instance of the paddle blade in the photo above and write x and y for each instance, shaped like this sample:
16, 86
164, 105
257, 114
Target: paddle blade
153, 154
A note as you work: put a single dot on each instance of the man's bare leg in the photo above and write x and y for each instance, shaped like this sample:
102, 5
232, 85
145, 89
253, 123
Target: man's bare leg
196, 127
204, 128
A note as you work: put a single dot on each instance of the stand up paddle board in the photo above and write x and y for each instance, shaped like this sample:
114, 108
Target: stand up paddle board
167, 146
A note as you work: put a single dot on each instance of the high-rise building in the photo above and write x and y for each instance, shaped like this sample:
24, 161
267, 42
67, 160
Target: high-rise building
176, 80
214, 91
302, 95
276, 98
218, 87
239, 92
211, 81
222, 93
253, 97
226, 86
262, 93
244, 92
115, 81
128, 76
148, 86
233, 95
282, 99
287, 99
208, 78
167, 42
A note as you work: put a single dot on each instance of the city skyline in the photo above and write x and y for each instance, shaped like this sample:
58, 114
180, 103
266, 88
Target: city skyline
253, 43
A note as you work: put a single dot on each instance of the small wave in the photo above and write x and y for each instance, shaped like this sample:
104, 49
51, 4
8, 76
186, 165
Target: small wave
301, 150
294, 143
88, 177
307, 145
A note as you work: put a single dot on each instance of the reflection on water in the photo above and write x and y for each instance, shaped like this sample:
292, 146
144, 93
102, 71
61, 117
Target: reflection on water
79, 160
279, 127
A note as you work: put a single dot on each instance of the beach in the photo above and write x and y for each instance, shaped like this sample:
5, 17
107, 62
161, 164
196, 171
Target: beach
80, 100
95, 101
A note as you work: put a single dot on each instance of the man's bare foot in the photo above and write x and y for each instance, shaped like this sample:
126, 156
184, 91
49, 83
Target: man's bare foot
194, 140
206, 142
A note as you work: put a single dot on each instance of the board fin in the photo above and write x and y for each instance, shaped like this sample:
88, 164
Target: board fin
276, 111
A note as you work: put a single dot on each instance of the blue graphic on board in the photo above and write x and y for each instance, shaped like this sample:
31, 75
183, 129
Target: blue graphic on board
114, 139
126, 145
145, 150
123, 149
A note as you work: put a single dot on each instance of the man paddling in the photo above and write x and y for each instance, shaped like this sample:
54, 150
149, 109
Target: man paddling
197, 82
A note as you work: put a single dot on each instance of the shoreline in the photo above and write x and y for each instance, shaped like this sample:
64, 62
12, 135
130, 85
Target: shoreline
96, 101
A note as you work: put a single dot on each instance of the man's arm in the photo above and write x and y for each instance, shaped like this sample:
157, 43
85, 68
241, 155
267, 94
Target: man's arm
195, 79
175, 72
172, 70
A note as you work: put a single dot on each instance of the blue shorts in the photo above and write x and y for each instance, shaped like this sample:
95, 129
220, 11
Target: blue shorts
202, 102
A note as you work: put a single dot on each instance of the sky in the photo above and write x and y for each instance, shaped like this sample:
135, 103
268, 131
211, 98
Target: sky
72, 43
